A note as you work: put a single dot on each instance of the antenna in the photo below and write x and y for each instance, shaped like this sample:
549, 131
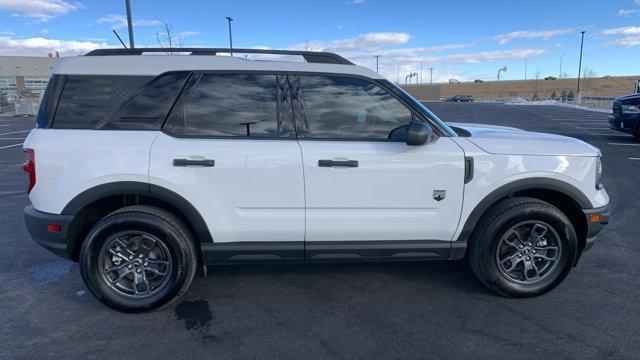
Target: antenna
118, 36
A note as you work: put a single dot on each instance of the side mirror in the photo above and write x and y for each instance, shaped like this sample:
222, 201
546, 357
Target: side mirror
419, 133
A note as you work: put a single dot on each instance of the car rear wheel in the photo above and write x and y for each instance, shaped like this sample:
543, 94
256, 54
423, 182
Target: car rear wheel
138, 258
523, 247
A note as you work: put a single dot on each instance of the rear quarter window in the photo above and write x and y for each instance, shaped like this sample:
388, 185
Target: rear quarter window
88, 99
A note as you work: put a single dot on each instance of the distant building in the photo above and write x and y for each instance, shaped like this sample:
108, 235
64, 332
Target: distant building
24, 76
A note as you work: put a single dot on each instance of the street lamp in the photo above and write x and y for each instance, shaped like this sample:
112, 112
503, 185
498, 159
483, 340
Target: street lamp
431, 75
503, 68
230, 19
580, 63
377, 58
127, 4
560, 73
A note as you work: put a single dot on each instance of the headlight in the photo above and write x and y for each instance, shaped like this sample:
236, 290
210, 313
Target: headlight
631, 109
599, 173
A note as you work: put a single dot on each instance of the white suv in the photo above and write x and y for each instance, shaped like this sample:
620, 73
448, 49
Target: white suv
145, 167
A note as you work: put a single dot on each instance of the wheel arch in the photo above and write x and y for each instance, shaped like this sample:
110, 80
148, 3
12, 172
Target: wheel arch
569, 199
93, 204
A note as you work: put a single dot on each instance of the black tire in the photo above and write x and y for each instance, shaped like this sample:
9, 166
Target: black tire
170, 238
498, 223
636, 132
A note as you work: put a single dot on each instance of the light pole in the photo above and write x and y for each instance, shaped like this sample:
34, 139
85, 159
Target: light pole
377, 58
580, 62
230, 19
503, 68
430, 75
129, 23
560, 73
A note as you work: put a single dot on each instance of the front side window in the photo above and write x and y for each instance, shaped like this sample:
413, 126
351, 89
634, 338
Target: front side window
348, 108
228, 105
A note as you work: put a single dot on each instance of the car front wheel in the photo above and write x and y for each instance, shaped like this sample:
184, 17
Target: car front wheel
523, 247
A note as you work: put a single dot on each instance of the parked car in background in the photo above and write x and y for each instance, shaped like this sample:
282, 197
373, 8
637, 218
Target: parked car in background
460, 98
551, 78
626, 115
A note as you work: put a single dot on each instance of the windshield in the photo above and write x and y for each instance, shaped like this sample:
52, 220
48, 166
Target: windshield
423, 109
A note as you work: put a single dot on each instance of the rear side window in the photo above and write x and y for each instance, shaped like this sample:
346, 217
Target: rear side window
50, 101
88, 99
349, 108
148, 108
229, 105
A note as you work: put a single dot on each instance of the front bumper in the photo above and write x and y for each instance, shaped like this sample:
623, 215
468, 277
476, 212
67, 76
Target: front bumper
596, 220
623, 123
38, 225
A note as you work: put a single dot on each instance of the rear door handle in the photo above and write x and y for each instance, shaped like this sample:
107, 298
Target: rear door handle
187, 162
338, 163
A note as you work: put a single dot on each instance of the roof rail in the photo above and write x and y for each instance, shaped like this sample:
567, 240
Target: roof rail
309, 56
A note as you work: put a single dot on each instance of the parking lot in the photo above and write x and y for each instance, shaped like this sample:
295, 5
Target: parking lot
393, 310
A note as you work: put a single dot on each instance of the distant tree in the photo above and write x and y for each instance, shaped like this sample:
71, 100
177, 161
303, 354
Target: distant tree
570, 96
589, 74
167, 37
553, 95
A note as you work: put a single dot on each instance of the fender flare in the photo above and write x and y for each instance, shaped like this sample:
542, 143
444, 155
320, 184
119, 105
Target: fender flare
520, 185
145, 189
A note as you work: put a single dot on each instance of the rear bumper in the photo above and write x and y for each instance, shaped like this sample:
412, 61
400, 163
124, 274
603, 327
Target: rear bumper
37, 223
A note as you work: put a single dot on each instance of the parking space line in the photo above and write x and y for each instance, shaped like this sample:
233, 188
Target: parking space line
15, 132
602, 135
634, 158
8, 146
624, 144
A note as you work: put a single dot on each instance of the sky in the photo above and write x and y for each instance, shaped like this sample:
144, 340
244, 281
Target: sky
465, 40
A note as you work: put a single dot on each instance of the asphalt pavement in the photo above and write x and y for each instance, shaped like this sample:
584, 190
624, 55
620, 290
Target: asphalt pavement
367, 311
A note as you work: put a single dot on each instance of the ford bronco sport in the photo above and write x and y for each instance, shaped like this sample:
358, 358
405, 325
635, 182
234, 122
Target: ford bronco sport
145, 166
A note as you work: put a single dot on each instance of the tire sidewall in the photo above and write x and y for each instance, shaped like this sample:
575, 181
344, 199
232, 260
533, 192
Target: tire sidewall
495, 231
133, 221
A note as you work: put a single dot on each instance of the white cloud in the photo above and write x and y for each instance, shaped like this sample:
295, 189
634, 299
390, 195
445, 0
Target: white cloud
362, 42
42, 10
627, 30
355, 2
627, 41
39, 46
118, 21
528, 34
185, 34
361, 50
627, 13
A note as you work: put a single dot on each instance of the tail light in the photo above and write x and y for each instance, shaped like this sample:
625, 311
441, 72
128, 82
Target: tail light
30, 167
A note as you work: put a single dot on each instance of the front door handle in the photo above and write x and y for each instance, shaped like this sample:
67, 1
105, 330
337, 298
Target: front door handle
187, 162
338, 163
